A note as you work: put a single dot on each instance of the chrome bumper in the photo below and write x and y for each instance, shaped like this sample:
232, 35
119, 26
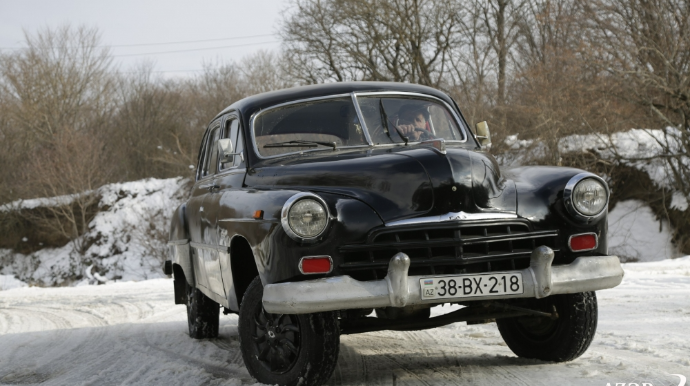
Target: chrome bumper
397, 289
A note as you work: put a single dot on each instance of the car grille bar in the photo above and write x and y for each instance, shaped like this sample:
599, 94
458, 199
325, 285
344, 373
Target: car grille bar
436, 249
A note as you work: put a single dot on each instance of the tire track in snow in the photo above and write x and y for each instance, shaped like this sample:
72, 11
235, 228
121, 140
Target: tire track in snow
62, 337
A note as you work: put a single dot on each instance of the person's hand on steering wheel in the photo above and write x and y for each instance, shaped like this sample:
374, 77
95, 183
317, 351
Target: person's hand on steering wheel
414, 133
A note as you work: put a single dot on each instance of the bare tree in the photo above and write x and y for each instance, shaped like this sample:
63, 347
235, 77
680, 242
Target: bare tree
69, 170
387, 40
148, 123
471, 64
645, 46
502, 19
264, 71
60, 80
54, 96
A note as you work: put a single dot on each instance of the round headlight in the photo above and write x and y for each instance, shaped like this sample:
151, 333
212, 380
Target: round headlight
590, 197
307, 218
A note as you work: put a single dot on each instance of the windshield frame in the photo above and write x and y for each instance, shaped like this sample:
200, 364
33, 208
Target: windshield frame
462, 127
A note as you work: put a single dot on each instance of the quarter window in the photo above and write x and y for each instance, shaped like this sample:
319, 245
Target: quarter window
211, 153
239, 148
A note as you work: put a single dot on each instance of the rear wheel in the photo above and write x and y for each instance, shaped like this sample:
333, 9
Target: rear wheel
555, 340
286, 349
203, 314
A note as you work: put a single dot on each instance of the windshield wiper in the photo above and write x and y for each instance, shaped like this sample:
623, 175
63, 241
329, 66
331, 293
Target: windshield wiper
384, 116
298, 143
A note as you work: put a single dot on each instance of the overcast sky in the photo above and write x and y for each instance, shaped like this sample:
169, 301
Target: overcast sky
128, 22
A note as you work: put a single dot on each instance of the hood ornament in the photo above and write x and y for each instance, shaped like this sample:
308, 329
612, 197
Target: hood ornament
452, 216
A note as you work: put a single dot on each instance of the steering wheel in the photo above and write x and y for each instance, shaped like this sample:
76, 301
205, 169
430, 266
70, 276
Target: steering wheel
425, 135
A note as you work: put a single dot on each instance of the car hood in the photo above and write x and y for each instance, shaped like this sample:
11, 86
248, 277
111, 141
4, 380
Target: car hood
398, 183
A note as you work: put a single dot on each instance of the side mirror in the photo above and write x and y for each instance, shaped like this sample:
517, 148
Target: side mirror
226, 150
483, 135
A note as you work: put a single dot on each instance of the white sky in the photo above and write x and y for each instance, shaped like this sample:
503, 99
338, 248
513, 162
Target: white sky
126, 22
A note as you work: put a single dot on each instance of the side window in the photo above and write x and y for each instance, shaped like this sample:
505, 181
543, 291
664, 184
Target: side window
231, 132
211, 152
201, 158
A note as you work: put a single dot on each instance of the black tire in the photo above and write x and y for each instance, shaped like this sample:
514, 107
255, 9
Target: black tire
203, 314
286, 349
559, 340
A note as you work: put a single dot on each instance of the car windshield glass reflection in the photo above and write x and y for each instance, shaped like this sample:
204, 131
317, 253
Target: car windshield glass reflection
331, 123
402, 120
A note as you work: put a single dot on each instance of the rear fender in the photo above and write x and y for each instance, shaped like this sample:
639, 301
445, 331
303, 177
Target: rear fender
178, 244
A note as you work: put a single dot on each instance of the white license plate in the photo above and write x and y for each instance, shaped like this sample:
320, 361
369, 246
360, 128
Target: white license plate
467, 286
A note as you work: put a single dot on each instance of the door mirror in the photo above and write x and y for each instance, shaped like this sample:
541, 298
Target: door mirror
226, 150
483, 135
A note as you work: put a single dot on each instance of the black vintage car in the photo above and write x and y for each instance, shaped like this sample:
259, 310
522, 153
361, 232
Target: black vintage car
355, 207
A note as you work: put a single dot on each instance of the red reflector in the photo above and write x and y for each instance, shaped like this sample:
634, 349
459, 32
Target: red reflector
585, 242
320, 264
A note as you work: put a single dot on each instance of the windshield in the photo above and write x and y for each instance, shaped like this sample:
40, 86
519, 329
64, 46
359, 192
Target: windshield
401, 119
333, 123
305, 126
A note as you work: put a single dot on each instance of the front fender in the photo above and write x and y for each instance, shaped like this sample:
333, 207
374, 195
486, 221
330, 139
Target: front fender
277, 255
540, 200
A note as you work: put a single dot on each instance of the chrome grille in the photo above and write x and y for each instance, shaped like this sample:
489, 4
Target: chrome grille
447, 249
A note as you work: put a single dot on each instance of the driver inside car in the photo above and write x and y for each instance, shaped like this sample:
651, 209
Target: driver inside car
413, 123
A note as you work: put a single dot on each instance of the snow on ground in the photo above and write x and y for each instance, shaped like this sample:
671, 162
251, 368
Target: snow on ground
636, 235
132, 333
127, 237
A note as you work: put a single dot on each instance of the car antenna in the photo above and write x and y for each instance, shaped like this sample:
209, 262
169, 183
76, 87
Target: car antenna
384, 116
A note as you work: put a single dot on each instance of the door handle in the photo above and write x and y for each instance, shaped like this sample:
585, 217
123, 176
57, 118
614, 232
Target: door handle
213, 188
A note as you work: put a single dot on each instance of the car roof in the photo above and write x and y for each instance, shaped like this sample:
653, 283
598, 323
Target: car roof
250, 105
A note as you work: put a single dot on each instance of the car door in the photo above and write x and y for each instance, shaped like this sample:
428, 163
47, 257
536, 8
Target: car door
202, 217
228, 181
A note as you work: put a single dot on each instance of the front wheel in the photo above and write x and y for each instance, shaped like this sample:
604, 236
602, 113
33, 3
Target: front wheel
554, 340
286, 349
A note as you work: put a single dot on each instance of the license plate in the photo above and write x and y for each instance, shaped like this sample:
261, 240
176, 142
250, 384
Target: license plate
467, 286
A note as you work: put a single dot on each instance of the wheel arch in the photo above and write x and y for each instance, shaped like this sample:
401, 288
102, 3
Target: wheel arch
242, 265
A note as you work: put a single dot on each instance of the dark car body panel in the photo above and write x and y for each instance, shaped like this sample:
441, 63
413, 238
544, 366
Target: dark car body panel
365, 189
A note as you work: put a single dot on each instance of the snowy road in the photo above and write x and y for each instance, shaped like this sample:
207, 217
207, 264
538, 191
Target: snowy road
131, 333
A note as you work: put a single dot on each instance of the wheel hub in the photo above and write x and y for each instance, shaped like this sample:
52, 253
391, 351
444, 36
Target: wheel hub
277, 340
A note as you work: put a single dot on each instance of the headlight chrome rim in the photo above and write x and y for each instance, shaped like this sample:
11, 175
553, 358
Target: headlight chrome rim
285, 217
568, 197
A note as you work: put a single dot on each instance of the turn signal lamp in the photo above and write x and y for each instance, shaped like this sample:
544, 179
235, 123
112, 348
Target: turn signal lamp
583, 242
310, 265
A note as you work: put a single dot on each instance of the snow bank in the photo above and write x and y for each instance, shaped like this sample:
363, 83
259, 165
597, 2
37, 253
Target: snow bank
636, 235
38, 202
642, 149
8, 282
649, 270
127, 237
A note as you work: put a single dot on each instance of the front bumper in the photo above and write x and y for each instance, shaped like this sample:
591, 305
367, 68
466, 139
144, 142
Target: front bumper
397, 289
